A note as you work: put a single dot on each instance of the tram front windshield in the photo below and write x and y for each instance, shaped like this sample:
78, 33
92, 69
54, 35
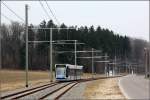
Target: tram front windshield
60, 72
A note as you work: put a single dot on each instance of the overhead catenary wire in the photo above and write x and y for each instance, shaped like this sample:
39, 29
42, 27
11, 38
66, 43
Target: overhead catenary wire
6, 17
44, 9
12, 11
52, 13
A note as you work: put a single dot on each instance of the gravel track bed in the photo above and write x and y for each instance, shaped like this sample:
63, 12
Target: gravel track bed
39, 94
23, 89
76, 92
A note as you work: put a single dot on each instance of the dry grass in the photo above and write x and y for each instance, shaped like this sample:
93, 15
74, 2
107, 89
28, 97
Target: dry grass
89, 75
15, 79
103, 89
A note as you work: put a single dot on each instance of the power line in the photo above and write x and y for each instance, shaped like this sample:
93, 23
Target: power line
44, 9
52, 12
12, 11
6, 17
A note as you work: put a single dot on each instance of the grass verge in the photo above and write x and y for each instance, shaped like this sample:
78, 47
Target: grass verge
103, 89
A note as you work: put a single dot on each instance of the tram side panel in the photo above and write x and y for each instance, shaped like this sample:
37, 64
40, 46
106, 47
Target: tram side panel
73, 74
67, 72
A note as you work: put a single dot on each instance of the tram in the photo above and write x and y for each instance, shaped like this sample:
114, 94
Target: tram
67, 72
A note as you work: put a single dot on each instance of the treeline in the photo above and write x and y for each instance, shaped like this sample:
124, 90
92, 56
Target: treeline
13, 44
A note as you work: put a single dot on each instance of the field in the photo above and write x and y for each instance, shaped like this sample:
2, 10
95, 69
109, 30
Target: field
103, 89
15, 79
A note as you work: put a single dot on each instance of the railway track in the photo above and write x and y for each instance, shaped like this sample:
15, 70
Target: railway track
56, 94
60, 92
47, 91
25, 92
41, 92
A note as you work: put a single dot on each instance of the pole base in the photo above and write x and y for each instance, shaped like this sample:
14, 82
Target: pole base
26, 85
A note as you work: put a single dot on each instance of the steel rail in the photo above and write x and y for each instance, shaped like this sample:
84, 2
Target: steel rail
84, 80
24, 91
60, 95
42, 87
50, 93
31, 92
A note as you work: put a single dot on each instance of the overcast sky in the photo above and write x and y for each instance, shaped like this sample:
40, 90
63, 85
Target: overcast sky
129, 18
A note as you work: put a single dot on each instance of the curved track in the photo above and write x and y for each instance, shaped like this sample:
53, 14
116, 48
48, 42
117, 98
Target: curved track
48, 91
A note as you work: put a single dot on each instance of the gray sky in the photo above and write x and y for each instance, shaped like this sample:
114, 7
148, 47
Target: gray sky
129, 18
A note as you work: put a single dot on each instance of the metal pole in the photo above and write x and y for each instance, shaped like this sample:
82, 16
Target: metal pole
148, 66
145, 62
75, 54
92, 63
119, 69
0, 39
129, 69
149, 57
67, 33
126, 63
0, 47
115, 71
51, 54
112, 67
105, 64
26, 32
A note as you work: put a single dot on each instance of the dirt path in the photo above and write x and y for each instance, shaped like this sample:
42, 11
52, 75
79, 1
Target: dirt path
103, 89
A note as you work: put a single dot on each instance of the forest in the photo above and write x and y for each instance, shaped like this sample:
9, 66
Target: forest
106, 40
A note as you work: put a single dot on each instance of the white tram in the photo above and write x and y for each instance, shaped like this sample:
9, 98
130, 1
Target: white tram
66, 72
